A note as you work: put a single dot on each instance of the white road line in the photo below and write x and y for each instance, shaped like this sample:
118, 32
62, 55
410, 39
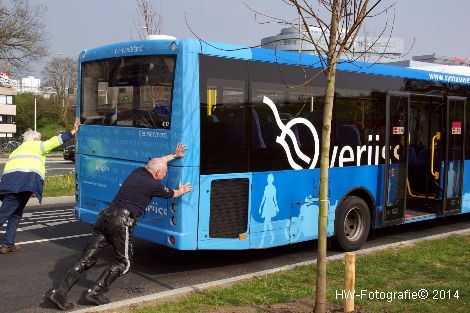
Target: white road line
51, 239
59, 168
26, 228
23, 223
42, 224
59, 223
51, 216
40, 211
63, 218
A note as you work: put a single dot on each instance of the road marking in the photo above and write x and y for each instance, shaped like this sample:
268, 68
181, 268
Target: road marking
57, 220
58, 223
51, 216
42, 219
51, 239
24, 223
41, 211
52, 213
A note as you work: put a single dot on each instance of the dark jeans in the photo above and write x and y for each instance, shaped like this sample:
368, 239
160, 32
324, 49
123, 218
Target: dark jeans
12, 210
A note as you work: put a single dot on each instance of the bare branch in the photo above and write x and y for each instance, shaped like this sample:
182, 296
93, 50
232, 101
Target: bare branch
150, 19
22, 34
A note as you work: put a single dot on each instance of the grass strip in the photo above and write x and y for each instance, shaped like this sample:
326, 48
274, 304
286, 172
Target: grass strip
440, 265
55, 186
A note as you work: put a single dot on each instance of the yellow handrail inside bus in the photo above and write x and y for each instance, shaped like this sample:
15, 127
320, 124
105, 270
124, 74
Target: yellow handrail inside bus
416, 196
436, 137
211, 100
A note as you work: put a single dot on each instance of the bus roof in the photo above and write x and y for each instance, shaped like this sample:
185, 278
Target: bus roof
147, 47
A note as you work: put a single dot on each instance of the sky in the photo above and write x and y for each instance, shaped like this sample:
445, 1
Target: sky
435, 26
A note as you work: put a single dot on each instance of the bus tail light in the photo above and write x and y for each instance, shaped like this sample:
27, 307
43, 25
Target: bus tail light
242, 236
172, 240
173, 220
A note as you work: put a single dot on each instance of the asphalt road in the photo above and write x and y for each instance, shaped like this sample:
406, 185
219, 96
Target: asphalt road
54, 166
51, 240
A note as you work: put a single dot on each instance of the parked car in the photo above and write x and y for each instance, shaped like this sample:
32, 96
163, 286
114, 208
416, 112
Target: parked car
8, 147
69, 153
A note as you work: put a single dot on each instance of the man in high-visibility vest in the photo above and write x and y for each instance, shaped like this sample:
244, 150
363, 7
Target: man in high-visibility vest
23, 175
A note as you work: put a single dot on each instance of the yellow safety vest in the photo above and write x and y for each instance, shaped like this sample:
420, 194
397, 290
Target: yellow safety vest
30, 156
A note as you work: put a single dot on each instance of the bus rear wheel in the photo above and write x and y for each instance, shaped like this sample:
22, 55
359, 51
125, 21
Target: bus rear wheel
352, 223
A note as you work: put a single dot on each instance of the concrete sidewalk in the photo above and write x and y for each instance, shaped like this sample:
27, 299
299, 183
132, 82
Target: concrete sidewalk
64, 200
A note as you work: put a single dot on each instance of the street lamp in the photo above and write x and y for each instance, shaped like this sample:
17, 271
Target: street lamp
34, 113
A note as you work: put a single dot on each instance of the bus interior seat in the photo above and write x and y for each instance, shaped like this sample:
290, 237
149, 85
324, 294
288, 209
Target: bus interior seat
233, 120
413, 174
285, 118
257, 140
304, 135
268, 127
348, 135
216, 132
423, 158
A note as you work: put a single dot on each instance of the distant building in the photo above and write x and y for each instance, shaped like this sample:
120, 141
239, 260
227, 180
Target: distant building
437, 63
384, 48
441, 59
7, 108
28, 84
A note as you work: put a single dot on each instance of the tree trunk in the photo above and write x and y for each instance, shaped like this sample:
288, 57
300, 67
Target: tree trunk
320, 299
66, 110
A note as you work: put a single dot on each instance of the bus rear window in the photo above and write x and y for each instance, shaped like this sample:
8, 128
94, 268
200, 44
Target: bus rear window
128, 91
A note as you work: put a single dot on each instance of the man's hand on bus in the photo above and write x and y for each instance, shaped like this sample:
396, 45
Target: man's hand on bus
182, 189
76, 125
179, 152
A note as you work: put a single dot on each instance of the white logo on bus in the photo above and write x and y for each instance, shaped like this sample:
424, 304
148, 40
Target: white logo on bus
286, 130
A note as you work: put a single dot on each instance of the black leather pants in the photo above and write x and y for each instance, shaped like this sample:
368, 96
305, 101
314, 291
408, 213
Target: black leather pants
114, 227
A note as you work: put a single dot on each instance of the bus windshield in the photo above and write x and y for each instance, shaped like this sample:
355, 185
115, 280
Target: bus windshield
128, 91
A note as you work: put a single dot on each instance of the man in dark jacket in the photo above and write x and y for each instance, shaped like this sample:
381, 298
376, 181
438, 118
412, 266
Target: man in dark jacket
115, 226
24, 175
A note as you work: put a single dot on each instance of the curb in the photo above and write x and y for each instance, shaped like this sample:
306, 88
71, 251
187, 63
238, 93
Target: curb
186, 290
34, 202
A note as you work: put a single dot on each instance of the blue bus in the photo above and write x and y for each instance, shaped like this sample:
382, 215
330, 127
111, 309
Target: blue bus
252, 119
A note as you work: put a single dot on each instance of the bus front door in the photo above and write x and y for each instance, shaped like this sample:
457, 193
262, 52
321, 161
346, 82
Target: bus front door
435, 156
424, 190
424, 164
454, 155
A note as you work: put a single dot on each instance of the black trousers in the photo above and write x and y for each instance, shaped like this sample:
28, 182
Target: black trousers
114, 227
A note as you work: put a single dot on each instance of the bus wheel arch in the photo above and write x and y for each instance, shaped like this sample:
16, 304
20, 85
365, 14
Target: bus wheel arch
353, 220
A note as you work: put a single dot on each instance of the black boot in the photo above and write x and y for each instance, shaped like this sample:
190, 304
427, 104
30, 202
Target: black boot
59, 296
95, 294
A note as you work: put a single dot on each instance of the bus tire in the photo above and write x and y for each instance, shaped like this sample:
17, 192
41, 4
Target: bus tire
352, 223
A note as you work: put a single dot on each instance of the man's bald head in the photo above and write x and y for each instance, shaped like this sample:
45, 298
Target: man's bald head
157, 167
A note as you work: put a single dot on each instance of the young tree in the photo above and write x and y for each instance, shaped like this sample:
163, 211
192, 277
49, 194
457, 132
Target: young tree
339, 32
60, 73
22, 34
344, 19
150, 19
